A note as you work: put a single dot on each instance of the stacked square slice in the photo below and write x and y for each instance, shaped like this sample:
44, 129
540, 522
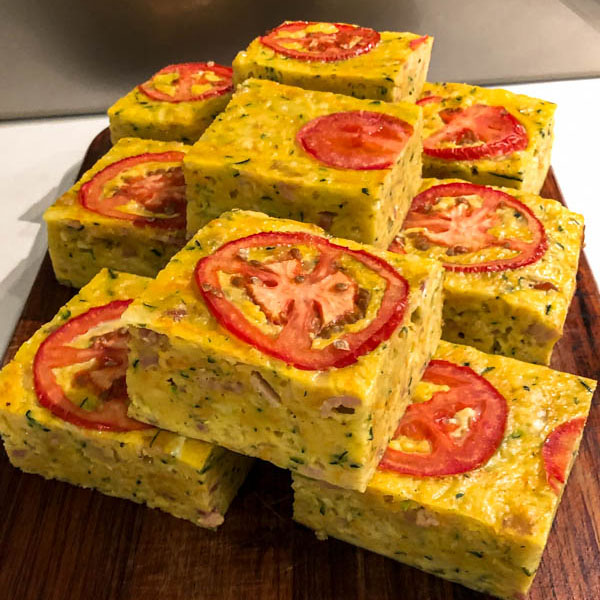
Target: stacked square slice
175, 104
269, 338
294, 153
340, 58
510, 257
125, 213
63, 414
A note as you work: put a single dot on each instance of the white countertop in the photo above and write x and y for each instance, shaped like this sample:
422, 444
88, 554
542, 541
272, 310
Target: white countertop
41, 158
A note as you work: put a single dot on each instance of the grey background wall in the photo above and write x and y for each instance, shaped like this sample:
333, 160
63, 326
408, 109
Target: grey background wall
65, 56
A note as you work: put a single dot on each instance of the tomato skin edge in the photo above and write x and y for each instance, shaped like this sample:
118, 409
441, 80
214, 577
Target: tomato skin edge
87, 192
454, 465
428, 100
61, 412
298, 55
555, 474
305, 134
516, 141
416, 42
191, 65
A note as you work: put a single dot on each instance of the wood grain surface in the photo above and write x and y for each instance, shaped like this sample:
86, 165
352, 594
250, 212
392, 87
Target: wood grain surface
60, 542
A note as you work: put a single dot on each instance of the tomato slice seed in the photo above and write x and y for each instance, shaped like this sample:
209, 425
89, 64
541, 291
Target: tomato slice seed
189, 82
325, 42
158, 194
465, 229
305, 302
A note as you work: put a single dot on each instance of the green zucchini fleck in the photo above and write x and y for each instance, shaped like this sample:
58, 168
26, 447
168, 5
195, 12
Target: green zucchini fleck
33, 422
503, 176
339, 459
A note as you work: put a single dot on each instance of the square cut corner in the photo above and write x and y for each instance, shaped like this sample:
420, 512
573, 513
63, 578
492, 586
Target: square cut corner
410, 79
250, 159
187, 374
81, 242
186, 478
469, 528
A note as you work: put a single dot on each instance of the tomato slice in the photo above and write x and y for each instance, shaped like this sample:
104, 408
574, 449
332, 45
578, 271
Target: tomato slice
152, 195
428, 100
416, 42
479, 131
467, 226
436, 421
188, 82
105, 377
304, 299
558, 450
357, 139
326, 42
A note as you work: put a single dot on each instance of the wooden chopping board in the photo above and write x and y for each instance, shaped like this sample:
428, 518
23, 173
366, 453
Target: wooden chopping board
60, 542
